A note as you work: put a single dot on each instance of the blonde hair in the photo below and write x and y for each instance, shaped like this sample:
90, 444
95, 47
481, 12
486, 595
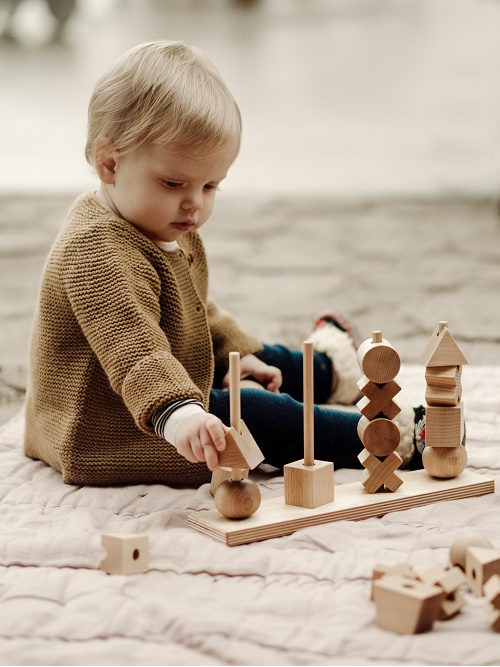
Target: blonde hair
167, 93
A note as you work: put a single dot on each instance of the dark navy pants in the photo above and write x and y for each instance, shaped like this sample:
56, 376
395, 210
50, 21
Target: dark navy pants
276, 420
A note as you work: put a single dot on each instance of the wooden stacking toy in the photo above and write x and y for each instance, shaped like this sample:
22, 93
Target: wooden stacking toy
444, 456
308, 483
237, 497
380, 436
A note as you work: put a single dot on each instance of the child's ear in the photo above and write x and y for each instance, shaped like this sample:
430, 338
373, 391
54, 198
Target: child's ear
104, 160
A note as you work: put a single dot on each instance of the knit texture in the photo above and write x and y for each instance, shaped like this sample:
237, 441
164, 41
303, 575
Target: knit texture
121, 329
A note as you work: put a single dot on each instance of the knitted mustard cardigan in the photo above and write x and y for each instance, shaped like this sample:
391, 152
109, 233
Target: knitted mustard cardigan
121, 329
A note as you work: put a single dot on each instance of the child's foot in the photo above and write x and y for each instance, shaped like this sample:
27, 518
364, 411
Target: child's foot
333, 335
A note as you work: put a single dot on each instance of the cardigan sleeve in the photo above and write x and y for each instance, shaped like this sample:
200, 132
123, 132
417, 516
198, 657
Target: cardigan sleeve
113, 292
228, 336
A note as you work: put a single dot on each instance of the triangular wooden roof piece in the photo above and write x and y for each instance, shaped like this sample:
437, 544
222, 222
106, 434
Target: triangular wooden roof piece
442, 349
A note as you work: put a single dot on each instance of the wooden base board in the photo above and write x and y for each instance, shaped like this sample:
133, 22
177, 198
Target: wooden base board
351, 502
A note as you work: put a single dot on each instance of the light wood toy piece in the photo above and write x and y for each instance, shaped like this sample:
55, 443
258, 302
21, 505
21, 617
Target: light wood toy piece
444, 426
126, 553
236, 497
442, 349
480, 565
400, 569
406, 606
492, 591
468, 538
379, 434
308, 483
352, 502
444, 462
449, 581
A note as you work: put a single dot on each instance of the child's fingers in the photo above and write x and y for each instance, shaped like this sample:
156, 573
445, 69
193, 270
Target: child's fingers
210, 457
217, 433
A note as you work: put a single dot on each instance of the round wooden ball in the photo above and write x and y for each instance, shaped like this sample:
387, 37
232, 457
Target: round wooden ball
469, 538
237, 500
444, 462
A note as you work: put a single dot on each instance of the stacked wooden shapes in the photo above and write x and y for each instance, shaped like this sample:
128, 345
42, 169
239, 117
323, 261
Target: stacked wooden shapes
308, 482
127, 553
234, 496
378, 432
444, 456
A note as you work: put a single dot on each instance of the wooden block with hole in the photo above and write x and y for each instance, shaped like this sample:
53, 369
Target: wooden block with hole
444, 426
404, 605
480, 565
127, 553
449, 581
399, 569
308, 485
241, 449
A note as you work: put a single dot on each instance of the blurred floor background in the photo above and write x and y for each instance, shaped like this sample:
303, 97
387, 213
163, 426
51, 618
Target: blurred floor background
369, 170
347, 98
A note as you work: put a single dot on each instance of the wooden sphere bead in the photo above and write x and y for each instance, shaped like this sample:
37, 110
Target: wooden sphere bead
380, 436
237, 500
379, 361
469, 538
444, 462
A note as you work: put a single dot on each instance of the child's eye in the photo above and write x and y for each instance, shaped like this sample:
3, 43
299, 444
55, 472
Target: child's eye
211, 186
171, 184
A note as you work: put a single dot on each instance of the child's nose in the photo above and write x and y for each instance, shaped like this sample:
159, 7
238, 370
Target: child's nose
193, 200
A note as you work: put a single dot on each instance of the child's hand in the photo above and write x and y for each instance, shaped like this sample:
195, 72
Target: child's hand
268, 376
200, 437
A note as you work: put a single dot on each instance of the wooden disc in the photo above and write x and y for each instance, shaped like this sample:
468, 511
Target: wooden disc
444, 462
237, 500
380, 436
379, 361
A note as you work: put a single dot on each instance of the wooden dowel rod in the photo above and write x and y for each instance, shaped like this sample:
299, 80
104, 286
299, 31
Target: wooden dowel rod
234, 402
376, 336
307, 352
234, 390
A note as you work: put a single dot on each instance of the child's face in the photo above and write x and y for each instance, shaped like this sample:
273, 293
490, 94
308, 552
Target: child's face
162, 194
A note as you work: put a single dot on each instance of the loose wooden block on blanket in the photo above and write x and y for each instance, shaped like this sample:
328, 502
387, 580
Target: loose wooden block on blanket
127, 553
400, 569
480, 565
449, 581
406, 606
491, 590
352, 502
468, 538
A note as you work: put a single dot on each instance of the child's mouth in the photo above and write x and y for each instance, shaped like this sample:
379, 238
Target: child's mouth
183, 226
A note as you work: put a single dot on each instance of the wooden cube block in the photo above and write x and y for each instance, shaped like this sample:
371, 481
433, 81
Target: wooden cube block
492, 590
308, 486
450, 606
480, 565
444, 377
441, 397
406, 606
444, 426
222, 474
127, 553
400, 569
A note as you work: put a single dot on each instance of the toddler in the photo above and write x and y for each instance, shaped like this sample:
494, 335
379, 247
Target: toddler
129, 355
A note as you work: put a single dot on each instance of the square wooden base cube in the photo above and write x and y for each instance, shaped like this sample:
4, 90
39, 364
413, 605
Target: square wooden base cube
308, 486
127, 553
